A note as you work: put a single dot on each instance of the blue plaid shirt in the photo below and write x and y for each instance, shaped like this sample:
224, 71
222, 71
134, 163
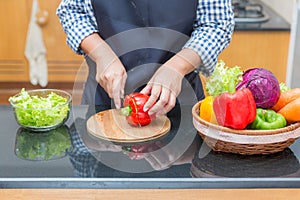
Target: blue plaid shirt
213, 28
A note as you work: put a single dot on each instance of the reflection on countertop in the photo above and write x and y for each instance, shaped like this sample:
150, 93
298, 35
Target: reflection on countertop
218, 164
42, 146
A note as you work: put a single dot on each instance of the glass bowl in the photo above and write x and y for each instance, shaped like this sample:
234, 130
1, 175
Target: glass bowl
41, 109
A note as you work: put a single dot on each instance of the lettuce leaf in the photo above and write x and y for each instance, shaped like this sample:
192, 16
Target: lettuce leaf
283, 87
37, 111
223, 79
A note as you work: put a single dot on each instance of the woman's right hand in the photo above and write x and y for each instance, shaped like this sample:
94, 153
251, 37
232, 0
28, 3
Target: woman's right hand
111, 73
112, 78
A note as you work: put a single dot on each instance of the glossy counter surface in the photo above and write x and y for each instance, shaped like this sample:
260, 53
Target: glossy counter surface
178, 160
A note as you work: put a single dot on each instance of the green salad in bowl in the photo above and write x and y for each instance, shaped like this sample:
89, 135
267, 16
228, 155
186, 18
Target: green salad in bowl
50, 145
41, 109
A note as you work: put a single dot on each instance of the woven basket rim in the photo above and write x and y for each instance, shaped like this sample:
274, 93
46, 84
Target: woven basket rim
196, 116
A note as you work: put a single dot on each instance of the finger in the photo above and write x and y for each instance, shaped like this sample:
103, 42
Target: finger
123, 83
147, 89
111, 81
117, 102
155, 93
108, 84
161, 103
104, 85
168, 106
116, 88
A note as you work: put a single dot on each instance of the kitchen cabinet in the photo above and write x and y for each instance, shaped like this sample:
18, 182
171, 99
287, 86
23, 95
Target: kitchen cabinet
13, 20
63, 64
268, 49
253, 45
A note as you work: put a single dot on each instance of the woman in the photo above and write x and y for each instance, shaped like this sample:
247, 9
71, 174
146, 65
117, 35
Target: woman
130, 43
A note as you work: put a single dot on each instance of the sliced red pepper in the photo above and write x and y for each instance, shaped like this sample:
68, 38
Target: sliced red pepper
133, 109
235, 110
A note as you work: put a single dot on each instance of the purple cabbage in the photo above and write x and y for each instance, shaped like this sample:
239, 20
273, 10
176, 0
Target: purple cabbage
263, 85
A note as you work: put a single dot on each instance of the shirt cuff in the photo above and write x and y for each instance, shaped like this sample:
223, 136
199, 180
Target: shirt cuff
77, 34
208, 56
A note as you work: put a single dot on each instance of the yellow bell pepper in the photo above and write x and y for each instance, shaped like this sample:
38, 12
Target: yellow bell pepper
206, 110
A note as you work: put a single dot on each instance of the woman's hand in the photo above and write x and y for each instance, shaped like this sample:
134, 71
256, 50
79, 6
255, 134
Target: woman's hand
111, 73
165, 85
112, 78
163, 88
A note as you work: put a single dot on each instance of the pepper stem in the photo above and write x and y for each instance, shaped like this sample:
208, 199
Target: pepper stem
126, 111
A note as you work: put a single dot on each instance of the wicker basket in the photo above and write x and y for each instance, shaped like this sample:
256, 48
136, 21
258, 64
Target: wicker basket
246, 142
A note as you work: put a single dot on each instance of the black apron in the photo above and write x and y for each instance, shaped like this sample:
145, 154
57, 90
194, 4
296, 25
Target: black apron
144, 34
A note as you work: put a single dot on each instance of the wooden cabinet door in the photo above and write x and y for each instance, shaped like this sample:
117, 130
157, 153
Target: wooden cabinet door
63, 63
267, 49
14, 17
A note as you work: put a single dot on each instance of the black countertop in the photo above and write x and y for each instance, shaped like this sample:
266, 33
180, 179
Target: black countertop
178, 160
275, 22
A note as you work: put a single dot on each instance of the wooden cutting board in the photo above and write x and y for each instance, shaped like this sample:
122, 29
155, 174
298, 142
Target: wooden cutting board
112, 125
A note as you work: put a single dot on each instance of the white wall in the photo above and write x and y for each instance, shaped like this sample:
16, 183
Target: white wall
293, 69
287, 9
283, 7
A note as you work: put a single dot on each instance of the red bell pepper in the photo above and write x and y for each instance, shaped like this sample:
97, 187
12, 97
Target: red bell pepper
133, 109
235, 110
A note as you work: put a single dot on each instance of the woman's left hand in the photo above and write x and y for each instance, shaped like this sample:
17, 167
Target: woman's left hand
165, 85
163, 88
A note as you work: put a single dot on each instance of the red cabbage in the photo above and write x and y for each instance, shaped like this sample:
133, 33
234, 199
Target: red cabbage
263, 85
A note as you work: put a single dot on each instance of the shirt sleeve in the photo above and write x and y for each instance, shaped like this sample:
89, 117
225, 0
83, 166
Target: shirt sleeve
78, 21
212, 33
